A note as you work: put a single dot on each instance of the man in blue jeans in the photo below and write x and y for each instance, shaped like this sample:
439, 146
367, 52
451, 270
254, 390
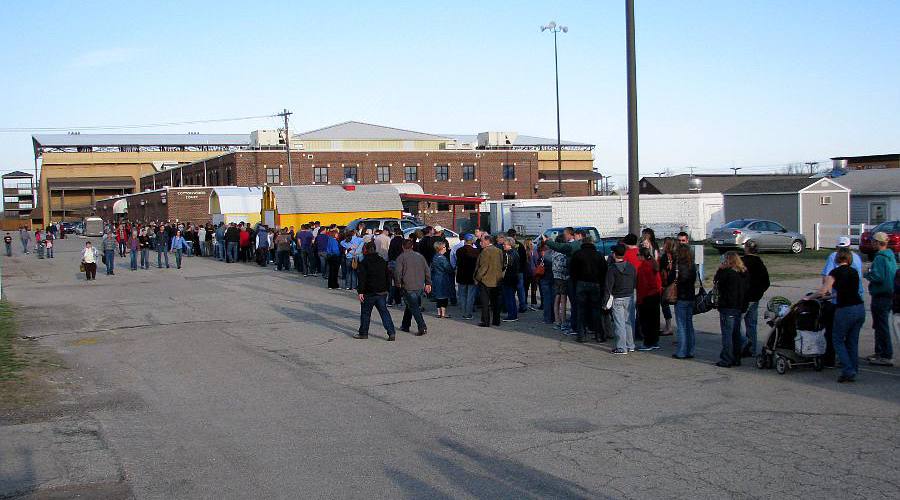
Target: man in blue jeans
881, 288
758, 283
109, 245
414, 276
374, 281
162, 248
621, 278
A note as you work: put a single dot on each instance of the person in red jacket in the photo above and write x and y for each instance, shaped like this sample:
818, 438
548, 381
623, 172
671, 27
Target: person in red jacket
649, 292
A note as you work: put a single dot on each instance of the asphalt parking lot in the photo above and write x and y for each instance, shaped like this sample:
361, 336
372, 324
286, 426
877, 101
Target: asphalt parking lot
232, 381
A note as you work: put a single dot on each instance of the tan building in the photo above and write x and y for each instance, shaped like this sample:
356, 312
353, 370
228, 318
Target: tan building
79, 169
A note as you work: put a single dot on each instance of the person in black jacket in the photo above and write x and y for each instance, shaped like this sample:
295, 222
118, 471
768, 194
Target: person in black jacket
374, 280
731, 281
523, 266
587, 268
758, 277
685, 278
510, 280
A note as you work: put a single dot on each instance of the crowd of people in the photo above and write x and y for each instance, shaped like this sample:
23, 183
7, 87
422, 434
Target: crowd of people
643, 290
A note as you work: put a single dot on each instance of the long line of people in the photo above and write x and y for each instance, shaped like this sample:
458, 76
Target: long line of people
640, 292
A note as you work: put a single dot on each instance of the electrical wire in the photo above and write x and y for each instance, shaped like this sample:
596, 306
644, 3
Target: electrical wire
124, 127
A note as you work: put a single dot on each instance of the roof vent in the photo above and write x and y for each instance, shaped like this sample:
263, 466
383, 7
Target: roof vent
695, 184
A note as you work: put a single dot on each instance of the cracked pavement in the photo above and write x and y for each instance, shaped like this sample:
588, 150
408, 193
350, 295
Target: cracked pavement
231, 381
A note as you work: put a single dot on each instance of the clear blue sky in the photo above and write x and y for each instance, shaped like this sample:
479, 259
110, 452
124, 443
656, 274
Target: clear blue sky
720, 83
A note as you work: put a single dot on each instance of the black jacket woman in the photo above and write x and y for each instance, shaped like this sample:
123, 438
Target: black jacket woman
685, 277
732, 283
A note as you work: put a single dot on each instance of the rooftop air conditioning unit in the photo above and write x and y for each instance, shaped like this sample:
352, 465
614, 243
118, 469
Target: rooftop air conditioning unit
496, 139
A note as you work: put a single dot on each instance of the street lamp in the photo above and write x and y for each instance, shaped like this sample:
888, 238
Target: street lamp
555, 29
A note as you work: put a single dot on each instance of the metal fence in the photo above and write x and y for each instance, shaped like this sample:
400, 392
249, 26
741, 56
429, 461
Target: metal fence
825, 235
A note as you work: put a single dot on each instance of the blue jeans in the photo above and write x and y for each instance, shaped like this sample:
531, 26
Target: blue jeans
352, 277
684, 317
848, 321
378, 301
547, 299
732, 342
134, 254
666, 311
466, 297
24, 246
178, 257
751, 318
9, 249
110, 260
573, 304
304, 262
622, 324
283, 260
881, 322
509, 301
413, 301
232, 254
520, 291
220, 250
145, 260
323, 265
160, 253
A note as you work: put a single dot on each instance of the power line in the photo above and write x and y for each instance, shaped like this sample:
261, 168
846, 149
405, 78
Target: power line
122, 127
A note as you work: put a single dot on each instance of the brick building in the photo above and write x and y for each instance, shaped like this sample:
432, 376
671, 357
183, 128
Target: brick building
189, 204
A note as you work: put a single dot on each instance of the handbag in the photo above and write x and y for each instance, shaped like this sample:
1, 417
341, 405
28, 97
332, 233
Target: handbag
670, 292
81, 267
539, 270
354, 264
103, 259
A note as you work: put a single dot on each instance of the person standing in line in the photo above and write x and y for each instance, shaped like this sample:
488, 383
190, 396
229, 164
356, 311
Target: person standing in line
245, 249
667, 272
134, 246
881, 287
121, 239
220, 241
545, 281
25, 237
89, 261
332, 258
510, 281
426, 244
649, 292
372, 288
201, 241
48, 243
144, 241
261, 246
531, 283
758, 283
108, 245
731, 282
561, 279
283, 251
587, 268
849, 313
895, 319
441, 278
466, 259
321, 248
7, 240
162, 248
488, 275
208, 240
413, 274
685, 284
394, 251
521, 265
304, 244
232, 243
828, 309
571, 243
620, 285
179, 246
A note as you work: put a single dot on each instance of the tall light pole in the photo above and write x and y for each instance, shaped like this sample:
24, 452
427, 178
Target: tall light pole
634, 200
555, 29
287, 145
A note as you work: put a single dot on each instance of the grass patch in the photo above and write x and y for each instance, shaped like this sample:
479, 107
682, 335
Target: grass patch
10, 363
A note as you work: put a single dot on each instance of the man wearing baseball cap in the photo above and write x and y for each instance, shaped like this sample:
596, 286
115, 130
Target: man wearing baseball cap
881, 288
828, 312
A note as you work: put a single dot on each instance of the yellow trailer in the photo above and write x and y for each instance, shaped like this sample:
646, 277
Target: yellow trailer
284, 206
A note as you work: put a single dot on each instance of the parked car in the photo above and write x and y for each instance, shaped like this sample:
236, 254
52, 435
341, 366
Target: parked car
395, 225
892, 228
768, 235
604, 245
451, 236
79, 228
68, 227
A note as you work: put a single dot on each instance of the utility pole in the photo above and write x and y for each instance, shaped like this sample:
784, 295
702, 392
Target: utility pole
634, 200
812, 166
659, 174
287, 145
735, 169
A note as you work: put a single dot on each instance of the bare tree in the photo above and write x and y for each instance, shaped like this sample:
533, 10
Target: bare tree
793, 169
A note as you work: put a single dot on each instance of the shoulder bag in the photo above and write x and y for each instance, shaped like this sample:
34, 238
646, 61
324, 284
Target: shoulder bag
670, 292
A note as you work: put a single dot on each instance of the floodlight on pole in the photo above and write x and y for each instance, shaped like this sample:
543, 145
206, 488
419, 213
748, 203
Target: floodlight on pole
555, 29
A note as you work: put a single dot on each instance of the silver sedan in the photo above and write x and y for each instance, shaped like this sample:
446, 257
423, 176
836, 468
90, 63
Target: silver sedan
768, 235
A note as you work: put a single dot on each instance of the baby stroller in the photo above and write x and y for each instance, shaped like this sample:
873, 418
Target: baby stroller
797, 337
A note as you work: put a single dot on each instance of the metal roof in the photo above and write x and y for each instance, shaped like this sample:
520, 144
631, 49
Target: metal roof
521, 140
866, 182
18, 174
237, 200
772, 186
866, 158
107, 140
359, 131
330, 199
715, 183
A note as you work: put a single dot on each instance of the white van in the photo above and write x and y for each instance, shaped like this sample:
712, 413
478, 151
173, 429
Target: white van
93, 226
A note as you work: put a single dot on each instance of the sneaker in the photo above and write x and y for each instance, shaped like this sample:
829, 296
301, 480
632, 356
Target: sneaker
510, 320
631, 349
391, 338
619, 351
877, 361
646, 348
845, 378
360, 336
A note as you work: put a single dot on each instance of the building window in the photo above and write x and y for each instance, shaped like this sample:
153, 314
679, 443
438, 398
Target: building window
383, 172
468, 172
826, 200
442, 172
443, 207
351, 172
320, 175
273, 175
509, 197
411, 173
509, 172
228, 179
469, 207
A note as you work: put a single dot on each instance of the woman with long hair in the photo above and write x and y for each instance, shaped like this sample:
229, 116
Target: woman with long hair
849, 313
731, 282
649, 291
648, 240
685, 282
441, 278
